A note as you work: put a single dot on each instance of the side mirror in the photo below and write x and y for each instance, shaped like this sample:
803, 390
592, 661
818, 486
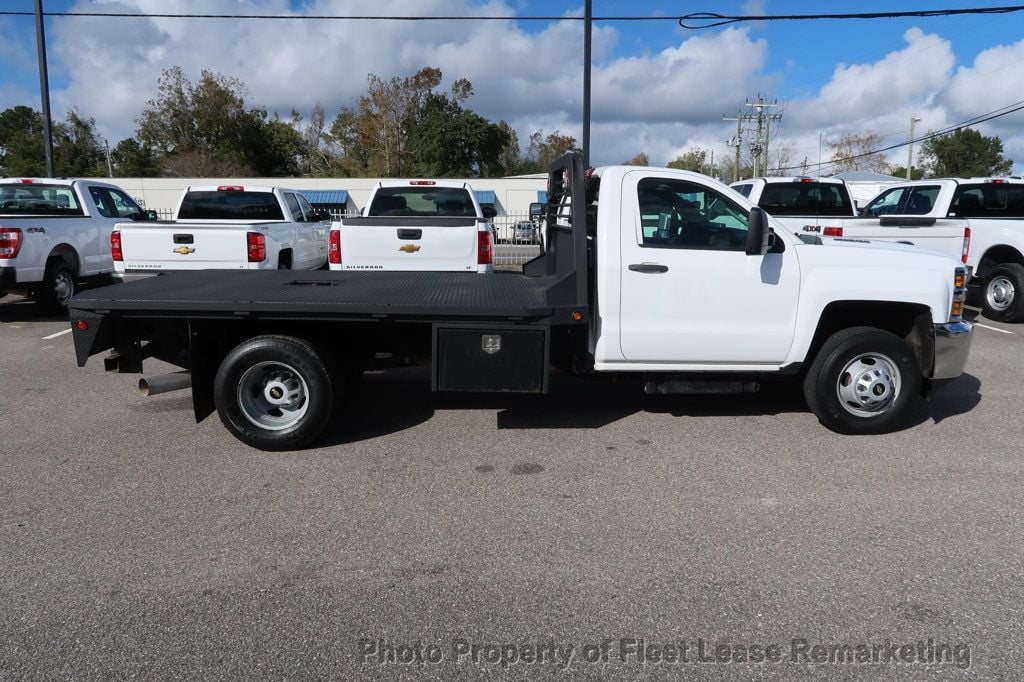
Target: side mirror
320, 216
488, 211
151, 216
758, 233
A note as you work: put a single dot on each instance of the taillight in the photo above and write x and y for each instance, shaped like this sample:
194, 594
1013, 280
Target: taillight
257, 247
334, 247
10, 241
484, 250
115, 246
832, 232
967, 245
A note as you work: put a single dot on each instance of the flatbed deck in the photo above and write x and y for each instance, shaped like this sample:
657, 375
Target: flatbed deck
313, 294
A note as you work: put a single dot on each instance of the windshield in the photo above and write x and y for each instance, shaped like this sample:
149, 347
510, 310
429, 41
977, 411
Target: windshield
230, 205
806, 199
38, 199
422, 201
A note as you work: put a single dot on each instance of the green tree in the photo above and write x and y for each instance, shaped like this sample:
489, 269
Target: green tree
964, 153
917, 173
207, 128
77, 151
450, 141
132, 159
21, 142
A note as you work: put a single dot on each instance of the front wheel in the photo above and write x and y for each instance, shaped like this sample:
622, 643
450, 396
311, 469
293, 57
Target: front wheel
274, 393
1003, 297
863, 380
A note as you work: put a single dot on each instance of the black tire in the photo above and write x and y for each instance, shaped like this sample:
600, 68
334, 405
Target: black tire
1002, 295
882, 351
57, 288
251, 418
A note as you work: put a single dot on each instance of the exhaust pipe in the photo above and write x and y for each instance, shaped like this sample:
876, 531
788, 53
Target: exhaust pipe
165, 383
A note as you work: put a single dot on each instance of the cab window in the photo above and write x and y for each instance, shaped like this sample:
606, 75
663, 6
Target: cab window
123, 205
294, 208
678, 214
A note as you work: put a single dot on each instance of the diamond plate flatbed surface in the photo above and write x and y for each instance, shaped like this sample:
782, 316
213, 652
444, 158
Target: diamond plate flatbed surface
323, 292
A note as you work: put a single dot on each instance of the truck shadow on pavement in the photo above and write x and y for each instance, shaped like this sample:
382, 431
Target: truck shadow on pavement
385, 403
20, 309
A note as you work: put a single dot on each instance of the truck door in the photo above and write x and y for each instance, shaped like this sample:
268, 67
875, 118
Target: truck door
315, 236
689, 293
110, 207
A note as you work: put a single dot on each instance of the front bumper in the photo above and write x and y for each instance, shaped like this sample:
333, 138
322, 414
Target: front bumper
952, 346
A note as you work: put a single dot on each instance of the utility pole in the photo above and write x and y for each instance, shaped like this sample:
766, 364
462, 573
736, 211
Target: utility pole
110, 166
910, 146
735, 142
762, 111
588, 22
44, 88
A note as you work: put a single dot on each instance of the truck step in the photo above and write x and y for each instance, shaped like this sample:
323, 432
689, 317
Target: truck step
699, 387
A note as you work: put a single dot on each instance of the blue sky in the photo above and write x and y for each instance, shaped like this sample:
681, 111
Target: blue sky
528, 73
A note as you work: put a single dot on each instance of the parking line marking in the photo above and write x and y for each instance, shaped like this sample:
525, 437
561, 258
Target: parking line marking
976, 324
61, 333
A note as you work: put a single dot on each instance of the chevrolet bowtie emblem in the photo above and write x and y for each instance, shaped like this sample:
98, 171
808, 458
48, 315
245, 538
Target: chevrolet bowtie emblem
409, 248
184, 250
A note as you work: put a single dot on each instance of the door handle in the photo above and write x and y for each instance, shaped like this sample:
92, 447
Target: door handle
648, 267
410, 234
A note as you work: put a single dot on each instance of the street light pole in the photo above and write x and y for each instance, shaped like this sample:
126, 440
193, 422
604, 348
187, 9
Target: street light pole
910, 146
588, 22
44, 88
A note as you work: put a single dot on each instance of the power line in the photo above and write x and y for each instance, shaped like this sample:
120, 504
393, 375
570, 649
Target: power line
713, 19
981, 118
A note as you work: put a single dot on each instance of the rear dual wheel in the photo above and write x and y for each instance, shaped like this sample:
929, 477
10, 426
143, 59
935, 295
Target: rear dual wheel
863, 380
274, 392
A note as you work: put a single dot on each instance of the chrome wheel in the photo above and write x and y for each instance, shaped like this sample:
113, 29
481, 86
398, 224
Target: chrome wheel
999, 293
63, 287
868, 385
273, 396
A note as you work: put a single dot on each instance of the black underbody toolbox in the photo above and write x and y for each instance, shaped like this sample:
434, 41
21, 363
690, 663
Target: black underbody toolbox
493, 359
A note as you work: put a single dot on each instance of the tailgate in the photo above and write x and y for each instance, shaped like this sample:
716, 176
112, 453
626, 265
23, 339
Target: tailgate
184, 246
421, 244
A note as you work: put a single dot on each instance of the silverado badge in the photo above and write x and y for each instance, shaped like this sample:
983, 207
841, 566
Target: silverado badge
184, 250
490, 343
409, 248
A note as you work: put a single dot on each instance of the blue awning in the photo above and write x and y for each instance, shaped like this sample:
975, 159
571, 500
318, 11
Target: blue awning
326, 196
485, 197
542, 196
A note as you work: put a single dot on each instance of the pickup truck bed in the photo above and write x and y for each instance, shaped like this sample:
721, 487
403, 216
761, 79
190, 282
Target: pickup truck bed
293, 295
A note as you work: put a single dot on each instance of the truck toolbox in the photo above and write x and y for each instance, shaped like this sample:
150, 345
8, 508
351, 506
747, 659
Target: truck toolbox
493, 359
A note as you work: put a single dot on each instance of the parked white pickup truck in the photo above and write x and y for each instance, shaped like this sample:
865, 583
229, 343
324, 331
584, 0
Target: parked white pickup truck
824, 207
231, 227
801, 201
56, 232
991, 213
416, 225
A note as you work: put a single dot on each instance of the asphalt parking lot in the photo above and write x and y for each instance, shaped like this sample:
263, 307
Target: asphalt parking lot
134, 542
